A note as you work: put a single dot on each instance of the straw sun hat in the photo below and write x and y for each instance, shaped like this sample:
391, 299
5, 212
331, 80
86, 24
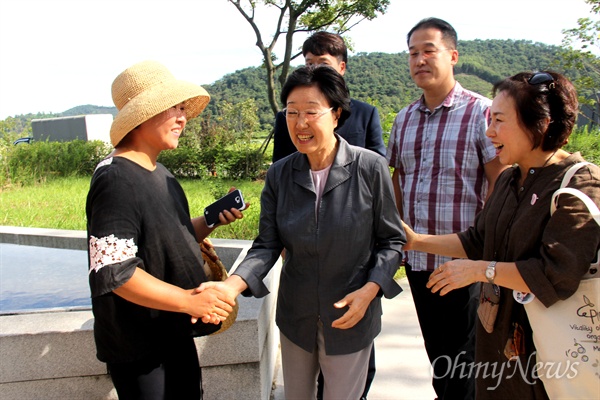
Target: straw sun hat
146, 89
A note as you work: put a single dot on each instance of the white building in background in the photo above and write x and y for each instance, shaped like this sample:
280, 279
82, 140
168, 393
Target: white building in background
64, 129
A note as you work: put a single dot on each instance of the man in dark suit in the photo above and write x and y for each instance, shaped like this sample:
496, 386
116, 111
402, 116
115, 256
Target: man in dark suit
362, 128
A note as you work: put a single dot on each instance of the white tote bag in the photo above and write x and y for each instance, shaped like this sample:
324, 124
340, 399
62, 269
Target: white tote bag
567, 334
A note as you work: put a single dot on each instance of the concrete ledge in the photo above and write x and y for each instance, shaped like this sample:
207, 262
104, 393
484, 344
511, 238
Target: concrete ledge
84, 388
48, 346
52, 354
54, 238
77, 240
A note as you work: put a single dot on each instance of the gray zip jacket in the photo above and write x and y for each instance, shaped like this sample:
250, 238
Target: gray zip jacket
357, 237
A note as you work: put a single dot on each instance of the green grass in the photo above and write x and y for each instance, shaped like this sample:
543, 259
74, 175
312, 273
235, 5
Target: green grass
401, 273
60, 204
588, 143
201, 193
57, 204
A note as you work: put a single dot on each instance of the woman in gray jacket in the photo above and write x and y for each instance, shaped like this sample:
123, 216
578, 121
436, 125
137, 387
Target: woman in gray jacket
331, 206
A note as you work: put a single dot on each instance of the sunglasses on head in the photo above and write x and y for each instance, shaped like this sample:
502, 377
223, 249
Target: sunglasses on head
541, 77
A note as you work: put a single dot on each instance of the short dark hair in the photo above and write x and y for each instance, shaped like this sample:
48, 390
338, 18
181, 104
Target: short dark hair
327, 80
448, 33
536, 103
320, 43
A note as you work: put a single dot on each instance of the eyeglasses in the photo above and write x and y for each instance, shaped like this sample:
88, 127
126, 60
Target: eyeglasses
310, 115
541, 77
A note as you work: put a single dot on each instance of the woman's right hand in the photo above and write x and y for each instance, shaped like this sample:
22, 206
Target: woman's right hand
230, 289
411, 237
211, 305
148, 291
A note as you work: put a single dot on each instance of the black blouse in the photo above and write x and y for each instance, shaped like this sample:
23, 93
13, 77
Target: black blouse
137, 218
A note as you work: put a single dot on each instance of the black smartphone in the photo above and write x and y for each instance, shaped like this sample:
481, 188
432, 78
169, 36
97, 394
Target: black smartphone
230, 200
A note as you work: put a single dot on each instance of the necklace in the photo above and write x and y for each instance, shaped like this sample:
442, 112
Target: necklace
549, 158
534, 197
532, 171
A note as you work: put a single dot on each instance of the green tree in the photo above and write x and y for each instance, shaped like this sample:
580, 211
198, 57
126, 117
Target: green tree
15, 127
240, 119
8, 130
222, 143
581, 46
302, 16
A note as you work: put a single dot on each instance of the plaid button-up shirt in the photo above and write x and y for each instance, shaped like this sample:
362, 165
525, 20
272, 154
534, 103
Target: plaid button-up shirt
440, 157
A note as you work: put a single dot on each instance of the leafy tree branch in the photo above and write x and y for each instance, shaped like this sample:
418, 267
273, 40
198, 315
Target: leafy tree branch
302, 16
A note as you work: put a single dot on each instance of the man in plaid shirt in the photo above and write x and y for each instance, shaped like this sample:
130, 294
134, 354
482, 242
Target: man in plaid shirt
444, 168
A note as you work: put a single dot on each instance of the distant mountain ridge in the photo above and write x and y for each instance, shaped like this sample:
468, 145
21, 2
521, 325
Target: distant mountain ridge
89, 109
383, 79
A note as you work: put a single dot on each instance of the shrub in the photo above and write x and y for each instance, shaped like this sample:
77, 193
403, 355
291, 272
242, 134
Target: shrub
234, 162
182, 162
241, 162
34, 163
197, 157
587, 142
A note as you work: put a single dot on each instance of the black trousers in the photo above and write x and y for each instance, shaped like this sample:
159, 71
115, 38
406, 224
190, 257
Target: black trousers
175, 376
448, 327
370, 376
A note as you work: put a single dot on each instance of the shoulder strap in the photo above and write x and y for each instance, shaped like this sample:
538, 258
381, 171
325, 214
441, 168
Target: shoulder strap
571, 171
592, 207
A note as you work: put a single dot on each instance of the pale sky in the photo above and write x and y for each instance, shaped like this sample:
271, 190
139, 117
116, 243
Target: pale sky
58, 54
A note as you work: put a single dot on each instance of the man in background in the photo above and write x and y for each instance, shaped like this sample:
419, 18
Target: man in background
444, 168
362, 128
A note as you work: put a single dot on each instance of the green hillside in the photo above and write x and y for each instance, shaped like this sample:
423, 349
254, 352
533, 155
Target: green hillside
381, 79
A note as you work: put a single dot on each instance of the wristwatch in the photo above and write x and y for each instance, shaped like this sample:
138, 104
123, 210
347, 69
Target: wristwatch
490, 272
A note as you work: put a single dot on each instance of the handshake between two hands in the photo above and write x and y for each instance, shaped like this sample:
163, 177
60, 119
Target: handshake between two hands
218, 298
215, 300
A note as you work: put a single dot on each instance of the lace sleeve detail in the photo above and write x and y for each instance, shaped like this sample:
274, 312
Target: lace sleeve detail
110, 250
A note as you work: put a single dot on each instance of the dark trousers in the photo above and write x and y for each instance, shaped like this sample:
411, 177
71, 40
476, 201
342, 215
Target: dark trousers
448, 328
370, 376
176, 376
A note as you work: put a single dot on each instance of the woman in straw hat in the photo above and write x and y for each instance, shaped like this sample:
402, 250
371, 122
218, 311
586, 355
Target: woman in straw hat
143, 245
331, 206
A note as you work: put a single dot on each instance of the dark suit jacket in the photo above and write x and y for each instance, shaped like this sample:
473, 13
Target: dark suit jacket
357, 238
362, 129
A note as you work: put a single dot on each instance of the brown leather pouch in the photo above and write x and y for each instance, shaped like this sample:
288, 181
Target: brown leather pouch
489, 299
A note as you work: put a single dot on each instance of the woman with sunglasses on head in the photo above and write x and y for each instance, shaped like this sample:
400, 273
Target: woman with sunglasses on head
515, 245
331, 206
